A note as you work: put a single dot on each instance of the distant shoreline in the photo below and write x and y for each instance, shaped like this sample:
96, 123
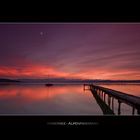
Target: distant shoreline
65, 81
68, 83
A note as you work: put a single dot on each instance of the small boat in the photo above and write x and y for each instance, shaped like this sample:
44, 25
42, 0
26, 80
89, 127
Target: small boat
49, 84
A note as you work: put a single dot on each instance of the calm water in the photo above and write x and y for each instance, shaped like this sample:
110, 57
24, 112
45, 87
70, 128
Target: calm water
56, 100
39, 99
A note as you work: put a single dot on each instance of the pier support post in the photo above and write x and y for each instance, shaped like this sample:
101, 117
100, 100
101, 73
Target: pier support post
89, 87
119, 107
133, 110
112, 103
93, 89
104, 96
99, 93
109, 97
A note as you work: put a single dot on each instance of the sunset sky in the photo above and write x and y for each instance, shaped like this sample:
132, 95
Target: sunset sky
85, 51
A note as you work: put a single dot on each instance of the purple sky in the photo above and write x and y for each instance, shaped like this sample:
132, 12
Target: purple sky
95, 51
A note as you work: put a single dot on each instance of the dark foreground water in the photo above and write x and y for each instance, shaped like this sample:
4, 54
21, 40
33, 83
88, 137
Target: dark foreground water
56, 100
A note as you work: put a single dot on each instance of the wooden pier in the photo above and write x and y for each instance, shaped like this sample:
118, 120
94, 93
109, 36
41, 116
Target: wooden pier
110, 95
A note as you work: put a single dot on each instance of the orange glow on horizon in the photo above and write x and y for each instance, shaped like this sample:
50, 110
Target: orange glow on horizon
39, 71
32, 71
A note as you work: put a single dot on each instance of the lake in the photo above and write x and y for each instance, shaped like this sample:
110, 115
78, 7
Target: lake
37, 99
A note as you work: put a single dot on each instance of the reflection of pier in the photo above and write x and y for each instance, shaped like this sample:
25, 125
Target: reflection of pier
105, 108
102, 94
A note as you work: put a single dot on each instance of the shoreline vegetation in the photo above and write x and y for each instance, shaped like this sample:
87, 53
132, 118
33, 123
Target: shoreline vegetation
4, 81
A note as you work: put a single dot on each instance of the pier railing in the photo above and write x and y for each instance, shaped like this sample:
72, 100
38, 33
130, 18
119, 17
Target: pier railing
111, 94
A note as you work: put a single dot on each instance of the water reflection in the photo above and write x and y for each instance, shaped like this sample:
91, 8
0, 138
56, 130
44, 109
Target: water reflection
103, 105
60, 100
39, 99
